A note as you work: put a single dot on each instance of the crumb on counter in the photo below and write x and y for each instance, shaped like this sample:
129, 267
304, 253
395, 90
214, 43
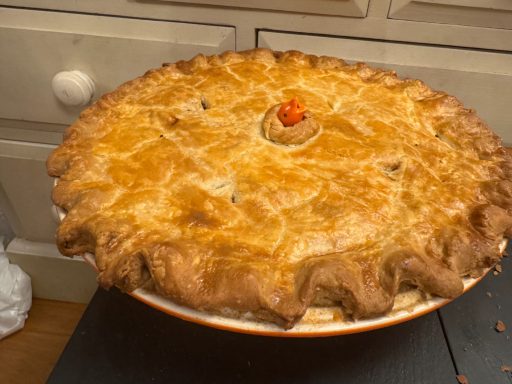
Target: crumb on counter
500, 326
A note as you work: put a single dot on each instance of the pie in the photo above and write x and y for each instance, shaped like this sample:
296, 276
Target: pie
184, 180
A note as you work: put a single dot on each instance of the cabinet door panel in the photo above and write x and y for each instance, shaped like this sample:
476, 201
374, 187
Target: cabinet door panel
481, 80
480, 13
36, 45
26, 189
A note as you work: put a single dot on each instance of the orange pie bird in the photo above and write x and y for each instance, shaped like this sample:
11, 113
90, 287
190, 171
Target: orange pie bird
291, 112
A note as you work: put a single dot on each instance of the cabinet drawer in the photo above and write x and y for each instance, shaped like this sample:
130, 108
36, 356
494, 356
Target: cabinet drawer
481, 80
25, 189
36, 45
353, 8
480, 13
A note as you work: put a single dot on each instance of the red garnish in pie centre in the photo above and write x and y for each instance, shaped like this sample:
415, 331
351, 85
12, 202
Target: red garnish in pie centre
291, 112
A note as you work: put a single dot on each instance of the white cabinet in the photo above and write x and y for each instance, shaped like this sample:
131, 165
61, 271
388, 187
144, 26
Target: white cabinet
353, 8
53, 276
481, 80
36, 45
480, 13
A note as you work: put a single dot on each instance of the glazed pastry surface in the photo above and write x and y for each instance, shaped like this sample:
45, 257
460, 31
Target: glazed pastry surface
172, 180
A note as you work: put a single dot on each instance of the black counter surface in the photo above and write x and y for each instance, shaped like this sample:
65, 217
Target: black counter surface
121, 340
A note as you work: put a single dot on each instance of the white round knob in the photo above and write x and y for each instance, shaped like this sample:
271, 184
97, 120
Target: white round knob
73, 88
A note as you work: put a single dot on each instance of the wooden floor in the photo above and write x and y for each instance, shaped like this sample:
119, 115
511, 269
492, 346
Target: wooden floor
29, 355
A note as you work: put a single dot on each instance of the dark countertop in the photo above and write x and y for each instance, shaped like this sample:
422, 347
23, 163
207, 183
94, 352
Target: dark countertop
121, 340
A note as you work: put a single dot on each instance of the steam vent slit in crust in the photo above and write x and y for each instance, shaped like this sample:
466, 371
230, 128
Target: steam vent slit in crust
184, 180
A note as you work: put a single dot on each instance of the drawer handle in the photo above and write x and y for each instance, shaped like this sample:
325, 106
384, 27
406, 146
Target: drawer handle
73, 88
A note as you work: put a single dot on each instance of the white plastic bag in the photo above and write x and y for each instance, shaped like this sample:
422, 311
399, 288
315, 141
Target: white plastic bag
15, 296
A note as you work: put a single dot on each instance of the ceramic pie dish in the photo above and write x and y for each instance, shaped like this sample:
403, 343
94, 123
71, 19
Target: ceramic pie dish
318, 322
262, 186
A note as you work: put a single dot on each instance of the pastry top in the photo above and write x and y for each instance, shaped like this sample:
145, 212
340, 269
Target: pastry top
173, 179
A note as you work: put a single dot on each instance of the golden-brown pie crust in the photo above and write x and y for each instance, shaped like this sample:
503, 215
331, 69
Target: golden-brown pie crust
171, 180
